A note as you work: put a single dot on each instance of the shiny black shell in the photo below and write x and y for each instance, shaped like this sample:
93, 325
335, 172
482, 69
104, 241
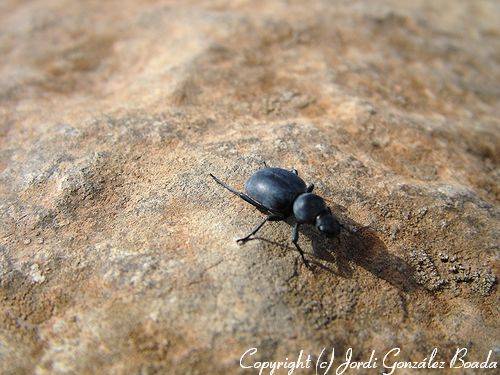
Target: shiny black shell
307, 207
275, 188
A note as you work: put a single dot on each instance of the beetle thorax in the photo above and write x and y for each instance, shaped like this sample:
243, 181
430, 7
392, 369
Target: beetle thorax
307, 207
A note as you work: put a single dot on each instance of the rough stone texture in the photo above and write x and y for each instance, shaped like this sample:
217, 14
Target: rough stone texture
118, 253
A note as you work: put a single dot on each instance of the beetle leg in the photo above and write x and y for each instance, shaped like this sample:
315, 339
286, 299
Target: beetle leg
294, 171
243, 196
265, 164
258, 226
310, 188
295, 240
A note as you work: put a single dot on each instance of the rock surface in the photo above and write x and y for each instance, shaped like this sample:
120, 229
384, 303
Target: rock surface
118, 253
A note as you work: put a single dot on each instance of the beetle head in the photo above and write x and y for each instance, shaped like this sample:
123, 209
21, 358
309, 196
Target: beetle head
327, 224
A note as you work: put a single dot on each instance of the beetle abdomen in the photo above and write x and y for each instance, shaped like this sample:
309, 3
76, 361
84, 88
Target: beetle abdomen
275, 188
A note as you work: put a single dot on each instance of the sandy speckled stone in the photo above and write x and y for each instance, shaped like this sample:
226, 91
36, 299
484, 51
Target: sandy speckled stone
117, 251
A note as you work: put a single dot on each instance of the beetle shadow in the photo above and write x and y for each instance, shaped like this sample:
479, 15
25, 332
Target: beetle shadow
355, 244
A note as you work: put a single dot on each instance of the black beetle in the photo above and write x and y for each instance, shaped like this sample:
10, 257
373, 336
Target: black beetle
280, 194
